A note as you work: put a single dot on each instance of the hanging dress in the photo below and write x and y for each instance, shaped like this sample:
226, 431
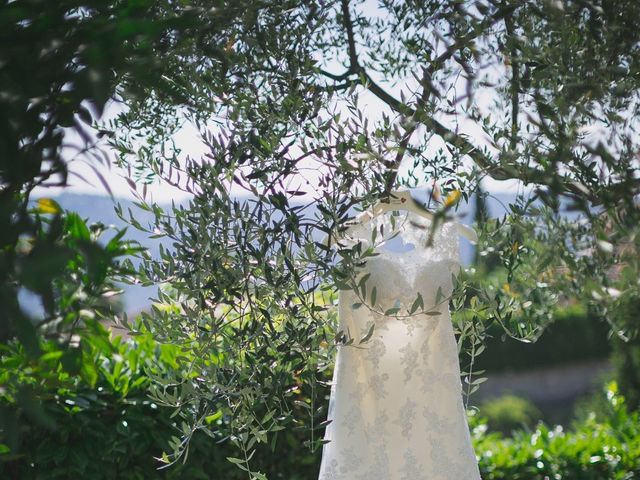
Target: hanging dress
396, 404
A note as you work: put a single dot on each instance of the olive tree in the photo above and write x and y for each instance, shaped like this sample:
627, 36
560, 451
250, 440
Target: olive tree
310, 110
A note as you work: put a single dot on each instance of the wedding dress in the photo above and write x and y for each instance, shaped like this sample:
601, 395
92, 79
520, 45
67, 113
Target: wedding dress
396, 405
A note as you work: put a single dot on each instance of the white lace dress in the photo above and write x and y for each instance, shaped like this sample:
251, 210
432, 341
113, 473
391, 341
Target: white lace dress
396, 400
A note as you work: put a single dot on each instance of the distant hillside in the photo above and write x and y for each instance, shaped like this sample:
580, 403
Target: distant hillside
102, 208
97, 208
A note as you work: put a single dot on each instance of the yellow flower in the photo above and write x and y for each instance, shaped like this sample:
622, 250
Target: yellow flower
46, 205
452, 198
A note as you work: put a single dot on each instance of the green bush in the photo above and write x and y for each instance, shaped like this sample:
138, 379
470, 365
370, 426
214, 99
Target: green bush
594, 403
57, 283
626, 361
113, 430
509, 412
607, 449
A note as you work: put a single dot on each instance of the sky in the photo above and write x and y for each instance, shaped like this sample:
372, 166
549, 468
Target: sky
84, 180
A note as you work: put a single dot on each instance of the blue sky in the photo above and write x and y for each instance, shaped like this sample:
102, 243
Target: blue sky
85, 180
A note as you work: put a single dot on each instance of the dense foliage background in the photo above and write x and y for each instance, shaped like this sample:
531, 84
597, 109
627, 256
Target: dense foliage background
336, 104
112, 429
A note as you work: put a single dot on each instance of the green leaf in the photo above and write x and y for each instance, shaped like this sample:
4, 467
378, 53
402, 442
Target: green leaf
212, 418
55, 355
369, 333
77, 227
439, 295
418, 303
89, 372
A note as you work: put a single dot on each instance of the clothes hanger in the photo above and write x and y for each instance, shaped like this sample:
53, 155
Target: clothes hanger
403, 200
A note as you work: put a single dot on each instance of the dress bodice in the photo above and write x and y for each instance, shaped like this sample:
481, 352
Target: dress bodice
399, 276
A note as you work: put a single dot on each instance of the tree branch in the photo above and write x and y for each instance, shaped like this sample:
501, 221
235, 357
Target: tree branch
495, 171
336, 77
354, 66
428, 88
515, 84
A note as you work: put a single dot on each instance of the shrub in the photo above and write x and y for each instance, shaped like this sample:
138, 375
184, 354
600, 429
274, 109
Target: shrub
626, 353
509, 412
106, 430
112, 429
593, 450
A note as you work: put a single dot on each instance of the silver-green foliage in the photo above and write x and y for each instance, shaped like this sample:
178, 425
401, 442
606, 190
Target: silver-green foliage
545, 93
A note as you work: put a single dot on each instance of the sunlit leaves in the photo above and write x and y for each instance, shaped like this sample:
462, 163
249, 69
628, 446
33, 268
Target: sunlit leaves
47, 205
515, 90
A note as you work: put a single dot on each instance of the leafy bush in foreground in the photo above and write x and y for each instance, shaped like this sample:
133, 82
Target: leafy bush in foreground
595, 448
113, 430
